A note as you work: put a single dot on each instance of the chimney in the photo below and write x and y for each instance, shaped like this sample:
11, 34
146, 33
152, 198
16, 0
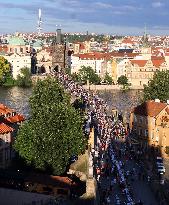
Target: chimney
59, 36
157, 100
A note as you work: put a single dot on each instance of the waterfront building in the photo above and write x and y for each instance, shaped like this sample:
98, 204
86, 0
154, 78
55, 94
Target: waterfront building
18, 61
59, 52
17, 45
44, 59
94, 60
140, 72
149, 124
9, 124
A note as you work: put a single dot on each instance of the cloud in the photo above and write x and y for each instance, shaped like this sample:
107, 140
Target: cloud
157, 4
103, 5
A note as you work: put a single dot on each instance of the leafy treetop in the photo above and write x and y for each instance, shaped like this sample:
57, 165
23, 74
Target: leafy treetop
158, 87
4, 68
87, 73
122, 80
54, 132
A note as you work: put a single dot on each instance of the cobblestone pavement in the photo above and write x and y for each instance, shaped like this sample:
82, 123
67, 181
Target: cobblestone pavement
140, 189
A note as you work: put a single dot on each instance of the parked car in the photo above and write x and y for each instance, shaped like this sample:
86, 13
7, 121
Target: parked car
159, 161
161, 169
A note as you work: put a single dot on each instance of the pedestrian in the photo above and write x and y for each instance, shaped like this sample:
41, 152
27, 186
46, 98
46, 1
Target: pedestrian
108, 200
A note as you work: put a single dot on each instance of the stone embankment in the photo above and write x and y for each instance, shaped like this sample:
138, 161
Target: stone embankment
110, 87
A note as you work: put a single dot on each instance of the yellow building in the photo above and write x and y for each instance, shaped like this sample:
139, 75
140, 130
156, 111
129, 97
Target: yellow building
114, 70
149, 124
140, 72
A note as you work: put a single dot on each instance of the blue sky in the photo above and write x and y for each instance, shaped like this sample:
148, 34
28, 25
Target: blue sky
99, 16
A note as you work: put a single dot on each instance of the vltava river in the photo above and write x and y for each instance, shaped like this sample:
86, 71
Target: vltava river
18, 99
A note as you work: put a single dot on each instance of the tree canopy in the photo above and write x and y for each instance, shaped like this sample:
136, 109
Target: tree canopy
24, 78
4, 68
108, 79
122, 80
87, 73
54, 131
158, 87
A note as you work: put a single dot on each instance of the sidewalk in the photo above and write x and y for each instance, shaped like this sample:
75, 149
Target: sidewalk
141, 189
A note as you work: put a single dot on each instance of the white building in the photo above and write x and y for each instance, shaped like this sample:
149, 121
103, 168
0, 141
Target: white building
94, 60
121, 67
17, 62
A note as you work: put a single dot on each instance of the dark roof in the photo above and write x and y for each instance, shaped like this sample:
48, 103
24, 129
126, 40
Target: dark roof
57, 181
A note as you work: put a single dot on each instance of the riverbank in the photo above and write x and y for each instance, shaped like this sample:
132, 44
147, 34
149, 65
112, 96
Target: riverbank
110, 87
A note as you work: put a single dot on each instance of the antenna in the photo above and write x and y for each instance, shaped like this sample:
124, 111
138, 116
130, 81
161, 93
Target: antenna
39, 28
145, 29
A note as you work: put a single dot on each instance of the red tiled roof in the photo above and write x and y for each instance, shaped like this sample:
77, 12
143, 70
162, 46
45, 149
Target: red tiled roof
5, 128
15, 118
127, 40
149, 108
157, 62
140, 63
167, 110
99, 56
5, 110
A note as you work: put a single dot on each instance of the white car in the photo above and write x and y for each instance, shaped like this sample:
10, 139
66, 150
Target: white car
159, 161
161, 169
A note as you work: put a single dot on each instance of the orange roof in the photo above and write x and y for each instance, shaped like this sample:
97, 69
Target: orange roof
5, 128
149, 108
127, 40
4, 109
99, 56
15, 118
140, 63
167, 110
157, 62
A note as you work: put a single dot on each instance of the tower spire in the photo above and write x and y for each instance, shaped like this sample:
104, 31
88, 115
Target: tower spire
39, 28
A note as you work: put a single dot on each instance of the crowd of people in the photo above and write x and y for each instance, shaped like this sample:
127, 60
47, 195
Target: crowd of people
108, 163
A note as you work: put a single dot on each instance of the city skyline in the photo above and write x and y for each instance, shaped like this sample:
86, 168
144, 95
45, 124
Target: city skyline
102, 16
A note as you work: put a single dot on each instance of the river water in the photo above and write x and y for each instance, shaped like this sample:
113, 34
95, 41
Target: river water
18, 99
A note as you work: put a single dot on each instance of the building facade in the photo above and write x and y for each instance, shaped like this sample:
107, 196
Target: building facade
149, 124
9, 124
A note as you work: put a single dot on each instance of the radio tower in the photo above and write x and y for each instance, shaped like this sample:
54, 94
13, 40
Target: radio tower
39, 28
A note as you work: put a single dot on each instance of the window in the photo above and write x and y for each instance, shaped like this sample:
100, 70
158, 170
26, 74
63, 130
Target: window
140, 131
141, 120
21, 50
146, 133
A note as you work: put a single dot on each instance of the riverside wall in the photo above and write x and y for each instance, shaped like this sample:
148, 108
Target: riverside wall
110, 87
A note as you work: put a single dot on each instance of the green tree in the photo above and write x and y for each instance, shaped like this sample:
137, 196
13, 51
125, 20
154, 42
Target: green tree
87, 73
54, 131
9, 80
75, 77
24, 78
4, 69
158, 87
108, 79
122, 80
